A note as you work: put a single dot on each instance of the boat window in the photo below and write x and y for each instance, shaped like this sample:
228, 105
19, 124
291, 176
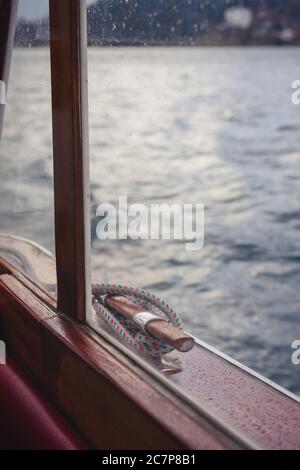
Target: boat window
190, 107
26, 167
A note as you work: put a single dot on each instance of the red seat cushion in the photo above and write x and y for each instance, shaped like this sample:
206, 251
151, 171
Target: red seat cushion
28, 420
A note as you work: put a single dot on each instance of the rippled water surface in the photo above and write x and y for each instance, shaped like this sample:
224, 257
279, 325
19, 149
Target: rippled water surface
185, 125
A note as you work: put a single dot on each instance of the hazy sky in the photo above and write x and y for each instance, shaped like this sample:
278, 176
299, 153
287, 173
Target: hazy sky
32, 9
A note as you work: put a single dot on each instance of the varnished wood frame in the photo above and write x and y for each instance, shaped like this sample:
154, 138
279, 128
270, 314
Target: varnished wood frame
114, 403
68, 42
109, 405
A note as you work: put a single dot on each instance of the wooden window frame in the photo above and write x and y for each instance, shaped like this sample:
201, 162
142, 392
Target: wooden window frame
112, 401
68, 44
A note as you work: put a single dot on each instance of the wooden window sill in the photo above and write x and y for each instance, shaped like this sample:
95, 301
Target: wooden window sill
115, 404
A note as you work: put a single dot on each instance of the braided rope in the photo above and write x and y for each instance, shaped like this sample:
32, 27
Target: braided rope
146, 344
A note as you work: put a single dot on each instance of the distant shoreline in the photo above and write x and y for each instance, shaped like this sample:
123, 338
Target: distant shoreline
169, 45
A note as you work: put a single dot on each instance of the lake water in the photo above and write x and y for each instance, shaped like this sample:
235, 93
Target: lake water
182, 125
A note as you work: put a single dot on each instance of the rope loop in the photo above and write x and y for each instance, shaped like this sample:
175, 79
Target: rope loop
126, 329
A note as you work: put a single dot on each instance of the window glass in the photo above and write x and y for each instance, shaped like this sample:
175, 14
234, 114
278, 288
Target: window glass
26, 189
195, 102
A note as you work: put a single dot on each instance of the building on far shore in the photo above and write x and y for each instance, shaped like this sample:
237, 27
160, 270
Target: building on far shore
181, 22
